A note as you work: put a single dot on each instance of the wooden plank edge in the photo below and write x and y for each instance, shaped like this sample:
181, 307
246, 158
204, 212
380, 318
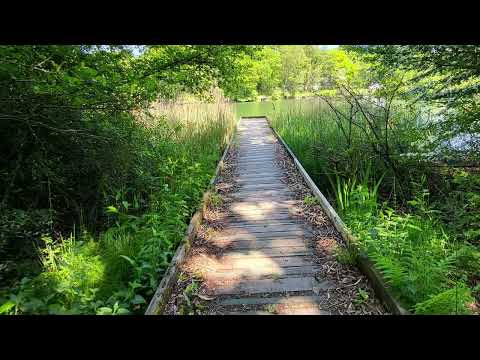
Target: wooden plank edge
159, 300
253, 117
363, 262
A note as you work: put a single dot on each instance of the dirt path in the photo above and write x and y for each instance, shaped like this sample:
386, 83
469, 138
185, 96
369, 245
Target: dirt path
263, 247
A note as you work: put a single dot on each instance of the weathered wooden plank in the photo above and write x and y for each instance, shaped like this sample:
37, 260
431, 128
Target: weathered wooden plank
260, 198
290, 284
258, 236
266, 177
266, 168
264, 186
255, 158
265, 224
257, 144
272, 172
273, 252
294, 311
310, 299
261, 183
263, 228
257, 163
263, 201
258, 166
252, 210
276, 170
266, 149
274, 193
255, 154
254, 239
257, 140
255, 260
259, 273
269, 203
255, 219
262, 180
258, 206
258, 177
264, 244
258, 137
259, 312
251, 174
257, 214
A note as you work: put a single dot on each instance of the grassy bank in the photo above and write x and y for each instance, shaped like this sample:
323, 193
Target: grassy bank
410, 218
164, 161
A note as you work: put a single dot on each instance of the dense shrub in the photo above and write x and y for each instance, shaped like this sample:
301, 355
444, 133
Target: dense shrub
173, 153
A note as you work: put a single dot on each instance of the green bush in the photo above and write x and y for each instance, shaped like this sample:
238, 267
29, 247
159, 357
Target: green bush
146, 209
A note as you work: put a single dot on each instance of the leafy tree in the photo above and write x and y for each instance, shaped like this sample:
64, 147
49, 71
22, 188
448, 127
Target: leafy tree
269, 70
258, 72
193, 68
451, 72
66, 129
448, 75
294, 67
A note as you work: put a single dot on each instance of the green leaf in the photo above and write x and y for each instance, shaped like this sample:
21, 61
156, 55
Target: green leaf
414, 227
138, 299
104, 311
132, 262
86, 72
111, 210
6, 307
56, 309
123, 311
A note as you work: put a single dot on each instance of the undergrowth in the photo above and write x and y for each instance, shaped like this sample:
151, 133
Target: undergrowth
117, 271
420, 230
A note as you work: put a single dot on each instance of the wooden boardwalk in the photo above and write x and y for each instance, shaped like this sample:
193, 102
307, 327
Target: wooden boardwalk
259, 257
268, 261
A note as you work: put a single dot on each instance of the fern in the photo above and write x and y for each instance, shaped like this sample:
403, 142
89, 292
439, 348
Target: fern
393, 272
450, 302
